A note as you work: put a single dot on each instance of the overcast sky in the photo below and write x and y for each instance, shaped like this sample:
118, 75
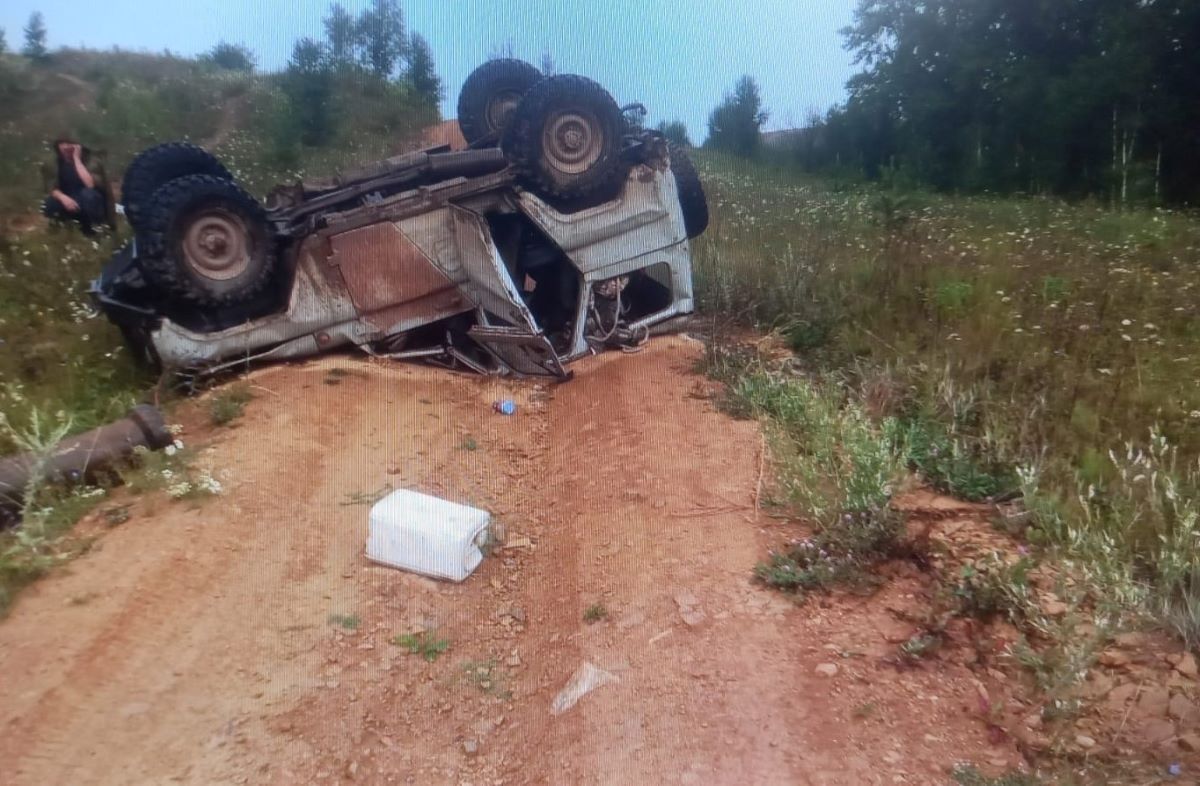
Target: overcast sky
676, 56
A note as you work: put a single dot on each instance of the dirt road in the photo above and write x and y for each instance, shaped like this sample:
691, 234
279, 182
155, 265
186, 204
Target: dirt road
194, 644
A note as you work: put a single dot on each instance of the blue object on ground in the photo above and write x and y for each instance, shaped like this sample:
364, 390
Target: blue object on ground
506, 407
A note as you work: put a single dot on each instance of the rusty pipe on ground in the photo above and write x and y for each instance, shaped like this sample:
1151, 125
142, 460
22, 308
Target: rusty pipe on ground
78, 458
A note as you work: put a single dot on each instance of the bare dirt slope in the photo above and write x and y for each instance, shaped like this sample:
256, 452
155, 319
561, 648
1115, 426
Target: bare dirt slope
194, 644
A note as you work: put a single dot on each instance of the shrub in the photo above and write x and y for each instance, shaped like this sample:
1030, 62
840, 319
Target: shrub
231, 57
834, 463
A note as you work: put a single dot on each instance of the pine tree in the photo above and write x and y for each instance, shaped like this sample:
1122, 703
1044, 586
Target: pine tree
343, 34
35, 37
735, 125
421, 73
385, 44
308, 84
3, 42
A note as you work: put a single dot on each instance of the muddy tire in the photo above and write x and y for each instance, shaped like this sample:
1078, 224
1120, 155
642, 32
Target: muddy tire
207, 242
564, 140
490, 94
155, 166
692, 201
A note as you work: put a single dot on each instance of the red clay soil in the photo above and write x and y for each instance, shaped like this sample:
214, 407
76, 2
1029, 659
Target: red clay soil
196, 643
446, 132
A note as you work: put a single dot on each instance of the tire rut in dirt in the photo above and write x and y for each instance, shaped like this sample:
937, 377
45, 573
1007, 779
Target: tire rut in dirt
692, 200
207, 242
564, 140
158, 165
489, 95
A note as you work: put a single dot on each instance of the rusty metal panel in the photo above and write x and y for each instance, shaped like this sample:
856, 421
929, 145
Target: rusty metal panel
419, 311
389, 278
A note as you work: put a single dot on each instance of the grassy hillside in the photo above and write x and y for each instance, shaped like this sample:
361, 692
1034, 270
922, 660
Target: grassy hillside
121, 102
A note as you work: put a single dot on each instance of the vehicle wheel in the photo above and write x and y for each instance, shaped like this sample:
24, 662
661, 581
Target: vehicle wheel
490, 94
157, 165
692, 201
206, 241
564, 139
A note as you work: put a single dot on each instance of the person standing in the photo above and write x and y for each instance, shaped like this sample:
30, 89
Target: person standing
78, 188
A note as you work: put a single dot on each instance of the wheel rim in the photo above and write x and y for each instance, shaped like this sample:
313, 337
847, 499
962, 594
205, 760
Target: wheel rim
217, 245
572, 140
501, 107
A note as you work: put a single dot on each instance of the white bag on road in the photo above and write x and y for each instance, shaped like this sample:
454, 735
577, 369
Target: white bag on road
426, 535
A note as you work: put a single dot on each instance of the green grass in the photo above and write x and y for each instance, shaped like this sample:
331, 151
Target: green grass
229, 404
427, 644
836, 466
172, 471
55, 356
595, 613
43, 540
966, 775
345, 621
1025, 347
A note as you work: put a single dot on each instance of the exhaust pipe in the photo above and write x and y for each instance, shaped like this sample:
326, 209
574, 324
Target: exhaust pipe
77, 459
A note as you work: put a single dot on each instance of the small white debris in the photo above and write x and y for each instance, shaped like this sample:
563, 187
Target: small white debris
586, 679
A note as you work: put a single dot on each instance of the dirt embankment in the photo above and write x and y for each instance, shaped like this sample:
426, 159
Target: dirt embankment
195, 645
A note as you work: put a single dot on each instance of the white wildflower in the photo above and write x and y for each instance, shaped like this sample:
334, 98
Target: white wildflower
180, 489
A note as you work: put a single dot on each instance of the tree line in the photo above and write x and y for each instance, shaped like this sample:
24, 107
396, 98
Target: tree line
1096, 98
375, 45
372, 52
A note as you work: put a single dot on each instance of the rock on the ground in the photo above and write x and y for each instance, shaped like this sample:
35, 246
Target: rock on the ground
1053, 607
1156, 730
1183, 709
1186, 665
1114, 659
1132, 640
1154, 700
689, 608
826, 669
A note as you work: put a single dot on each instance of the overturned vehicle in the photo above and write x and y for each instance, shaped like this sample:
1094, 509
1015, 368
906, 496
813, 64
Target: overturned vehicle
561, 229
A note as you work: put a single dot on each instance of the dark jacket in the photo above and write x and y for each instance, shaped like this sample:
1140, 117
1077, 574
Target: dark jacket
93, 160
